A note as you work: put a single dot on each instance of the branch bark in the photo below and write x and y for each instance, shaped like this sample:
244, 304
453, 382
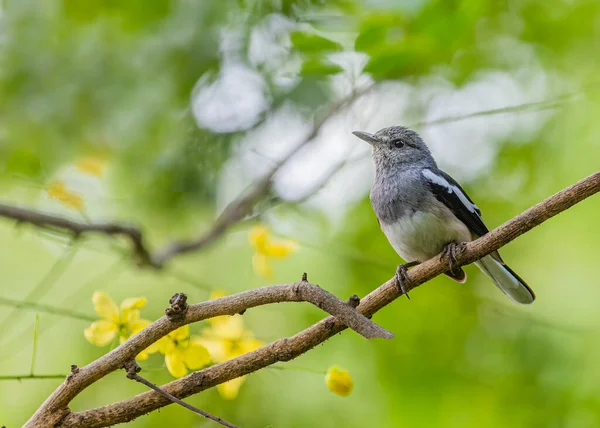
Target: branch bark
54, 410
50, 413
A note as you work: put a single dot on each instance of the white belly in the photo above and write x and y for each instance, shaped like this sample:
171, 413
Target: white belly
420, 236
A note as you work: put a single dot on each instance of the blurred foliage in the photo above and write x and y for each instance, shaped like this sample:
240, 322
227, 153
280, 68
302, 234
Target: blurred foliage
119, 81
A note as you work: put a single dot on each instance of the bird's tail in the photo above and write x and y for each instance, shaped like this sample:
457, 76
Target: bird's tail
506, 280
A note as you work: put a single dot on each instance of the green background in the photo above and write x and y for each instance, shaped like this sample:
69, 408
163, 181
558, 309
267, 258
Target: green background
118, 77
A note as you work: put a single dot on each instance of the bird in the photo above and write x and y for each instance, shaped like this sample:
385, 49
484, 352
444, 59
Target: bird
424, 212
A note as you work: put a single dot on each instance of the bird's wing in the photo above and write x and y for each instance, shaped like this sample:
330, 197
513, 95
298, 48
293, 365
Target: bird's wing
449, 192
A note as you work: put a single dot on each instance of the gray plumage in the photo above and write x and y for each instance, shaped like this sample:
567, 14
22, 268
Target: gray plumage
421, 209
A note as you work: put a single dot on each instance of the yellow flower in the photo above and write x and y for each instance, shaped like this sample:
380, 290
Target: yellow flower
123, 322
91, 165
183, 352
227, 338
229, 390
59, 192
339, 381
265, 248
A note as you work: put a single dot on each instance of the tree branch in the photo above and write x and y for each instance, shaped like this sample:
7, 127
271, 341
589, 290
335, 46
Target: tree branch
232, 214
180, 314
53, 411
22, 215
243, 205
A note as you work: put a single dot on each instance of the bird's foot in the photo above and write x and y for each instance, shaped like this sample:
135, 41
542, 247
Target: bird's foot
450, 253
402, 279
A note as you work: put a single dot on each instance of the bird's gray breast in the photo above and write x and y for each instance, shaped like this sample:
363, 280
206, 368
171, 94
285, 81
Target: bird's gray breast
396, 195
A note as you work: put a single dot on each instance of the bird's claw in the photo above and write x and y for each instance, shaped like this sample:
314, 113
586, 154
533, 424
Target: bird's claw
449, 254
403, 281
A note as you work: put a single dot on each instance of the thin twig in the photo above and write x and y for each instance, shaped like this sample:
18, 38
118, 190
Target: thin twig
233, 213
23, 215
243, 205
132, 370
45, 284
239, 208
533, 106
13, 346
53, 410
32, 376
21, 304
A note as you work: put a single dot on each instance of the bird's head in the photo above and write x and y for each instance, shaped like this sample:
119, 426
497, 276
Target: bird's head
396, 145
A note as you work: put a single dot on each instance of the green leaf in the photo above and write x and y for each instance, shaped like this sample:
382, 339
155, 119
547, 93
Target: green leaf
319, 66
380, 29
312, 43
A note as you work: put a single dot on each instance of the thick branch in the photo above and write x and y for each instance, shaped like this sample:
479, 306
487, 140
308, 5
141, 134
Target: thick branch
50, 412
289, 348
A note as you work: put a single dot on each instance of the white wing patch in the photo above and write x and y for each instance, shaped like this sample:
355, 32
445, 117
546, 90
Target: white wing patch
441, 181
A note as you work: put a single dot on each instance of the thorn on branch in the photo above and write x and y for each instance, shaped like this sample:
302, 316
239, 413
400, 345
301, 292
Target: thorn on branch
178, 307
242, 312
304, 277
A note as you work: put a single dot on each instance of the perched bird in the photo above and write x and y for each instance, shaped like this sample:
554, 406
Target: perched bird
424, 212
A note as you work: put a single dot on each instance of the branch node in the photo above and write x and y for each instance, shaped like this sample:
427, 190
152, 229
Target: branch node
296, 289
242, 312
354, 301
283, 351
132, 369
330, 323
74, 371
178, 307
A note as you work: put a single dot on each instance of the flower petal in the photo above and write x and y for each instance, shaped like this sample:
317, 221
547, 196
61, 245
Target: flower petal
154, 348
182, 333
105, 307
217, 348
258, 236
133, 303
166, 345
175, 364
232, 328
101, 332
59, 192
229, 390
143, 356
339, 381
216, 294
196, 356
249, 345
130, 309
280, 249
138, 326
261, 266
91, 165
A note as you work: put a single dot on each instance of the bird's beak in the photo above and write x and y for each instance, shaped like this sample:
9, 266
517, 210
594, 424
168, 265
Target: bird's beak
365, 136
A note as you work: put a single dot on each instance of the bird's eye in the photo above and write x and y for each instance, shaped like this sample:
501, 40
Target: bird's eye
398, 144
